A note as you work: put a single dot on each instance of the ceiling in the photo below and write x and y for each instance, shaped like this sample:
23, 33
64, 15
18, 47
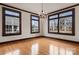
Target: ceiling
36, 7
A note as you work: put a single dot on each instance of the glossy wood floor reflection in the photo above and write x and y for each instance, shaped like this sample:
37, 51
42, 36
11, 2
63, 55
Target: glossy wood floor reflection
39, 46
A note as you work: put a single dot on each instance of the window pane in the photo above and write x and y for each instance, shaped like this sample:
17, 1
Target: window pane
33, 17
53, 25
11, 13
65, 25
34, 26
53, 16
12, 24
65, 14
11, 20
8, 20
8, 28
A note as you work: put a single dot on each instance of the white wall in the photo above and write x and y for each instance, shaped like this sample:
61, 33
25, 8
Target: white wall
25, 28
73, 38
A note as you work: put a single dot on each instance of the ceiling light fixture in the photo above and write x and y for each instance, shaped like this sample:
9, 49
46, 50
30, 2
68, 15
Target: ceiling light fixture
43, 14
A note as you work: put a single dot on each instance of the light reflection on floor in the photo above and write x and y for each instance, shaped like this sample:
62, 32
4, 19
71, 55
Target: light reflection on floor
15, 52
55, 50
34, 49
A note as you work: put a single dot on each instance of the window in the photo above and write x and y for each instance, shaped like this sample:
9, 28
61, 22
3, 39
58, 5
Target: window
11, 22
35, 24
53, 23
62, 22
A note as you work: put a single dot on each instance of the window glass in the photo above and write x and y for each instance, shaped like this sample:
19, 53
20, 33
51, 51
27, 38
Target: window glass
65, 25
35, 24
11, 13
53, 16
53, 25
33, 17
65, 14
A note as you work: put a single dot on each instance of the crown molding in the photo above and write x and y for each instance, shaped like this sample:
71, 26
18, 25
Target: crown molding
17, 8
63, 9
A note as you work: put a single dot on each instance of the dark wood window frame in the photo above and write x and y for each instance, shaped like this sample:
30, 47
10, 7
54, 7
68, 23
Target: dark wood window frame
73, 21
3, 21
34, 20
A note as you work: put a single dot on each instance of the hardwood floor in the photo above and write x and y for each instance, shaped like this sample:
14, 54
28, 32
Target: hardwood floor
39, 46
